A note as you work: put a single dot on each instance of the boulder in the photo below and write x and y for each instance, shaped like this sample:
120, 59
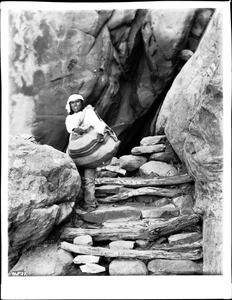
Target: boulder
132, 162
156, 168
44, 260
173, 267
43, 186
127, 267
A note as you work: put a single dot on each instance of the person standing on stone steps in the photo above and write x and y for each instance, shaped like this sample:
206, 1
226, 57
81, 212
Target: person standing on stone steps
77, 122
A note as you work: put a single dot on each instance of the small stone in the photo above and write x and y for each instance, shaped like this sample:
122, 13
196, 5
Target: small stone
127, 267
156, 168
142, 243
185, 54
173, 267
92, 268
132, 162
121, 245
86, 259
85, 240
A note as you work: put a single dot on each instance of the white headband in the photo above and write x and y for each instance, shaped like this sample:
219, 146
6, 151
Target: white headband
73, 98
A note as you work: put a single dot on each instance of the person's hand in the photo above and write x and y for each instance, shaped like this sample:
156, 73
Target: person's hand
79, 130
100, 137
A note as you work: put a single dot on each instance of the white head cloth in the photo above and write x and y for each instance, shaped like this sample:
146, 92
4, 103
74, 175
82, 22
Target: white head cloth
73, 97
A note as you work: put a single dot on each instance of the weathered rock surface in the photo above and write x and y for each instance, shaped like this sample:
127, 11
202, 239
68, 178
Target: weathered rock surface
173, 267
127, 267
157, 168
191, 117
43, 186
45, 260
132, 162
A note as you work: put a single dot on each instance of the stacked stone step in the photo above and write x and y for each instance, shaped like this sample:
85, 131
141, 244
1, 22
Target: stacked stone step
145, 220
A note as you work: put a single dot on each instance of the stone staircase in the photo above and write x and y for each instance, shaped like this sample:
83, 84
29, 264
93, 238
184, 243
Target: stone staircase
145, 223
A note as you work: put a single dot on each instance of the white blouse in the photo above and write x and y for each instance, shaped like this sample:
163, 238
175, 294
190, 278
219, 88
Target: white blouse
84, 119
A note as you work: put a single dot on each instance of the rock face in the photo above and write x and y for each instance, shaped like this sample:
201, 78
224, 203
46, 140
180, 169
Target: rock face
98, 54
45, 260
43, 186
191, 117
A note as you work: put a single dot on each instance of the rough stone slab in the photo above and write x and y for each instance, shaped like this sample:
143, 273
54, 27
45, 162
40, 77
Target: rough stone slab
167, 211
83, 240
184, 238
157, 168
109, 213
121, 245
173, 267
92, 268
86, 259
132, 162
148, 149
153, 140
127, 267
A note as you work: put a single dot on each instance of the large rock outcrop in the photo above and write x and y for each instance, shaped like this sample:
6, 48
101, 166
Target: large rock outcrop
120, 61
42, 190
191, 117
